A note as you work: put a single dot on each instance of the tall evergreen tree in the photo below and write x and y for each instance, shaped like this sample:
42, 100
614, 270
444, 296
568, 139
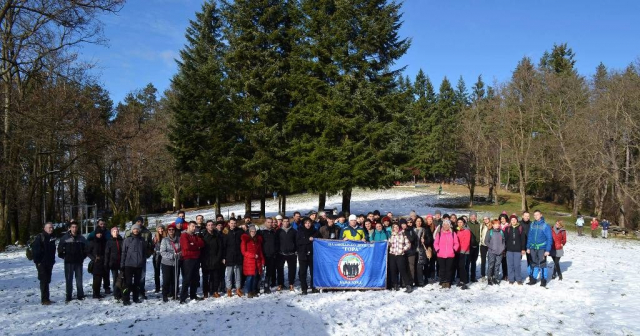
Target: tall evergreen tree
349, 50
423, 123
204, 132
260, 34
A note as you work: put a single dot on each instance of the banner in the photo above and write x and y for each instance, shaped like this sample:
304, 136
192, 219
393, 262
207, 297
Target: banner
349, 264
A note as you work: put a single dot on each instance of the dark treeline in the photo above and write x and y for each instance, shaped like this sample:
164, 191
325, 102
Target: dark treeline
292, 96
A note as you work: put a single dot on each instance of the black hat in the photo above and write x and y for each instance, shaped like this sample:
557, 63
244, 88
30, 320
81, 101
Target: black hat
446, 216
341, 214
332, 217
403, 221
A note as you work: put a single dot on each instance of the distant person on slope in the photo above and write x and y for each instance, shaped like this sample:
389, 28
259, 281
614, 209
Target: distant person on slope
580, 225
594, 227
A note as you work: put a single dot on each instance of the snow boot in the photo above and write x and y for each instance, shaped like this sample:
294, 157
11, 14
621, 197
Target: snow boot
107, 290
205, 295
543, 283
490, 281
165, 298
531, 282
239, 292
315, 291
464, 287
267, 290
409, 289
304, 292
560, 277
228, 292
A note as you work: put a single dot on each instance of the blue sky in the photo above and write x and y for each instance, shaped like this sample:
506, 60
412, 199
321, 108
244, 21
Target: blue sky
449, 38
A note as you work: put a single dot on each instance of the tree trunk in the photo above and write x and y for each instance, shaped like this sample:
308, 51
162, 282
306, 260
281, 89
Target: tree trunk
346, 201
500, 167
176, 198
247, 204
600, 195
523, 195
283, 211
263, 201
322, 200
218, 207
472, 187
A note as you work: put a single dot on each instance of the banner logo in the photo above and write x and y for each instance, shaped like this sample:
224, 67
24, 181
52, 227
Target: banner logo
351, 266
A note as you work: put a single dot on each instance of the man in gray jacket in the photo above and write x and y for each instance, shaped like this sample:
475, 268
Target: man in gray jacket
132, 261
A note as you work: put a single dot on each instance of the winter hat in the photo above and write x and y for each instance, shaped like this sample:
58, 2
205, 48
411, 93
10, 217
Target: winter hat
402, 221
429, 216
473, 213
445, 216
99, 230
446, 221
139, 219
171, 226
278, 217
386, 219
160, 227
438, 212
504, 213
512, 217
136, 226
351, 217
179, 221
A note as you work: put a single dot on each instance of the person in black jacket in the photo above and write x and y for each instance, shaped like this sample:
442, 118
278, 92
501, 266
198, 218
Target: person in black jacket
211, 260
516, 246
44, 256
525, 222
112, 254
286, 253
304, 243
232, 257
73, 249
96, 252
132, 260
270, 252
407, 229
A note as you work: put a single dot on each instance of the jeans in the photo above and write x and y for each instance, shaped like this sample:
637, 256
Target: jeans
513, 265
232, 272
495, 261
291, 261
210, 280
169, 281
270, 274
71, 270
398, 265
483, 260
472, 260
605, 233
132, 277
445, 267
304, 266
44, 275
190, 270
539, 264
157, 262
251, 283
117, 293
463, 274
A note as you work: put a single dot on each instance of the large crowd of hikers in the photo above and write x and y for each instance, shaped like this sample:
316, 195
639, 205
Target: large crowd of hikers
235, 257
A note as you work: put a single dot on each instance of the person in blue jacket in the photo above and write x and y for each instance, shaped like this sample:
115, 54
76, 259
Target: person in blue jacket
539, 243
605, 228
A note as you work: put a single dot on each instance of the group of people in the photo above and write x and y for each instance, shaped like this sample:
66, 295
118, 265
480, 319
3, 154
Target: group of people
237, 258
605, 224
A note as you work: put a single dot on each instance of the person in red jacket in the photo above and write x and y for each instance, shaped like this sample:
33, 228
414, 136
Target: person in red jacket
559, 240
190, 244
594, 226
253, 260
464, 238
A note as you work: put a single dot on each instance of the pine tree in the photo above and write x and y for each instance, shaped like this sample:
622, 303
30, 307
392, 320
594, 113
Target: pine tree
204, 132
422, 111
261, 34
345, 121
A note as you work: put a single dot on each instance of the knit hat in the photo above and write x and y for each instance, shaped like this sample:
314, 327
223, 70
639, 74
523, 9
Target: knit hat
438, 212
171, 226
512, 217
402, 221
473, 213
429, 216
179, 221
351, 217
278, 217
340, 214
99, 230
139, 219
445, 216
386, 219
160, 226
136, 226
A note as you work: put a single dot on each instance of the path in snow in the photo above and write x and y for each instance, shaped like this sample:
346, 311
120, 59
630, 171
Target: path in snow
599, 296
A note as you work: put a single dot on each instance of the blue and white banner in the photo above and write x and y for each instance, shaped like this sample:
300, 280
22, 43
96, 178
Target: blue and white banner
349, 264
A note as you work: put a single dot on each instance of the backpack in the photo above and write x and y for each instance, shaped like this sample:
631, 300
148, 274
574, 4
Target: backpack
30, 246
501, 233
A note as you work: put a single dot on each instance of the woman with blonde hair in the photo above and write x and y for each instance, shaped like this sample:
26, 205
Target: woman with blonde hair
157, 259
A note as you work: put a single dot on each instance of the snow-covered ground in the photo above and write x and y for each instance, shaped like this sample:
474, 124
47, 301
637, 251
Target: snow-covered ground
599, 295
